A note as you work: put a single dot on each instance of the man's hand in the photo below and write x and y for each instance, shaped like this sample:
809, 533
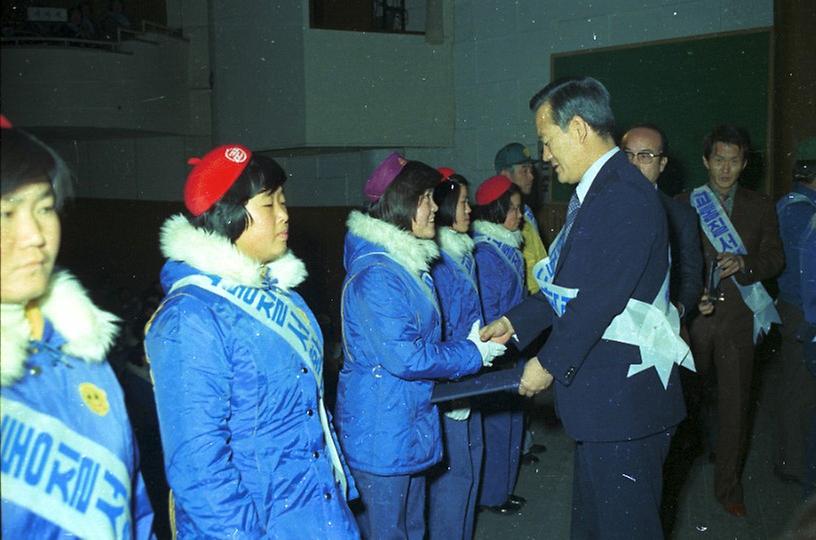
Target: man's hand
534, 379
730, 264
488, 350
705, 306
500, 331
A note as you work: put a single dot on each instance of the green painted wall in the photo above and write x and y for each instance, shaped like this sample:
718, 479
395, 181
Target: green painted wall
686, 87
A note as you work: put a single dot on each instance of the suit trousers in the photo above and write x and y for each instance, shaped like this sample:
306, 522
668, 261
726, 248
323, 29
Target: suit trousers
453, 485
503, 423
796, 396
393, 507
725, 361
616, 488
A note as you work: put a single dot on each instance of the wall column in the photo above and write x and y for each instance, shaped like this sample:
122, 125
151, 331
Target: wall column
794, 86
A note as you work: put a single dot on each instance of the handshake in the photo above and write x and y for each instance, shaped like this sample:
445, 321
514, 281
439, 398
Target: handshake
491, 339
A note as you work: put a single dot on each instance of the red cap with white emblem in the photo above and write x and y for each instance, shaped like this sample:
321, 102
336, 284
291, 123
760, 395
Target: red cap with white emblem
213, 175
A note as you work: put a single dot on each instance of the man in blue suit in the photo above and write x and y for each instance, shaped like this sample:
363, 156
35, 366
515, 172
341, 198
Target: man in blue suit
614, 339
647, 148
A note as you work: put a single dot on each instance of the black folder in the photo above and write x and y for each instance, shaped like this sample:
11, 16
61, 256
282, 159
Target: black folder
713, 280
484, 383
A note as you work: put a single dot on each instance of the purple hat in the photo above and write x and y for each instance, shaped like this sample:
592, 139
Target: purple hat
383, 175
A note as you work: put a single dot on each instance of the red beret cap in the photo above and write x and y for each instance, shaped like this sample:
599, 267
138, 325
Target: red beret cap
446, 173
491, 189
4, 122
213, 175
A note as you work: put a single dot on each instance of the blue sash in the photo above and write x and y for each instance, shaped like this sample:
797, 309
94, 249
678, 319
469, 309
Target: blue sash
724, 237
512, 256
274, 309
424, 280
654, 328
544, 271
529, 216
467, 265
62, 475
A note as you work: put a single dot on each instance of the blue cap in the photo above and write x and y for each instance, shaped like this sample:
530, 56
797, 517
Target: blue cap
512, 154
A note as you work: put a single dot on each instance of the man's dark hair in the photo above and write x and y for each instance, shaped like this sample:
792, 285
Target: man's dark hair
664, 142
446, 197
25, 159
398, 205
728, 134
229, 217
577, 96
496, 211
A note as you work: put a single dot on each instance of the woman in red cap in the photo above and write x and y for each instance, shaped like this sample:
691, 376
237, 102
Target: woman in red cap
70, 466
392, 337
236, 357
500, 264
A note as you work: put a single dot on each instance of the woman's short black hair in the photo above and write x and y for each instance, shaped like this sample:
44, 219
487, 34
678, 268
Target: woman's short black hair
398, 205
228, 217
496, 212
446, 197
24, 159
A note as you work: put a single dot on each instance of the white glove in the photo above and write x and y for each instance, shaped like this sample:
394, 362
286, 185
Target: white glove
487, 349
458, 414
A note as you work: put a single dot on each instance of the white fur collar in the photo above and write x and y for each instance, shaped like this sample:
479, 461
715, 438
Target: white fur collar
454, 243
89, 332
215, 254
498, 232
415, 254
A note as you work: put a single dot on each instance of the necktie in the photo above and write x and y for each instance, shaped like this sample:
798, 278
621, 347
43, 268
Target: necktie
572, 212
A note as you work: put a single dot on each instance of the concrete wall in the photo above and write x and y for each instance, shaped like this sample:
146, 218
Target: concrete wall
378, 89
152, 167
257, 63
143, 87
501, 56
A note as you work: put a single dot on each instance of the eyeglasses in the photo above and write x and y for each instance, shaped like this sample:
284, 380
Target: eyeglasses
644, 157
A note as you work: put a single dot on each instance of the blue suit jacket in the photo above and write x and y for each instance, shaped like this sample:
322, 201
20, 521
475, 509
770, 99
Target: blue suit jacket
617, 249
687, 253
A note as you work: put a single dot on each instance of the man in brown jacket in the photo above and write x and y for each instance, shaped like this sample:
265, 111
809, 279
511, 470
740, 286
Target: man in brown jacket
740, 236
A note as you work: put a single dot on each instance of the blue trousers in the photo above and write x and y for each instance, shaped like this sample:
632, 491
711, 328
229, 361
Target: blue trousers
393, 506
617, 487
503, 434
810, 459
454, 485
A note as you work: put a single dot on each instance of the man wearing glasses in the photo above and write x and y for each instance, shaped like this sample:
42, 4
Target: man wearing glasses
646, 147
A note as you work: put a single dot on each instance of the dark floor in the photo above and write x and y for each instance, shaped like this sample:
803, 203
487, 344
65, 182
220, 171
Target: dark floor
691, 513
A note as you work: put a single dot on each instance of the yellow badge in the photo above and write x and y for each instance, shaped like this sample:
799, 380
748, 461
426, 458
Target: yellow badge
95, 398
